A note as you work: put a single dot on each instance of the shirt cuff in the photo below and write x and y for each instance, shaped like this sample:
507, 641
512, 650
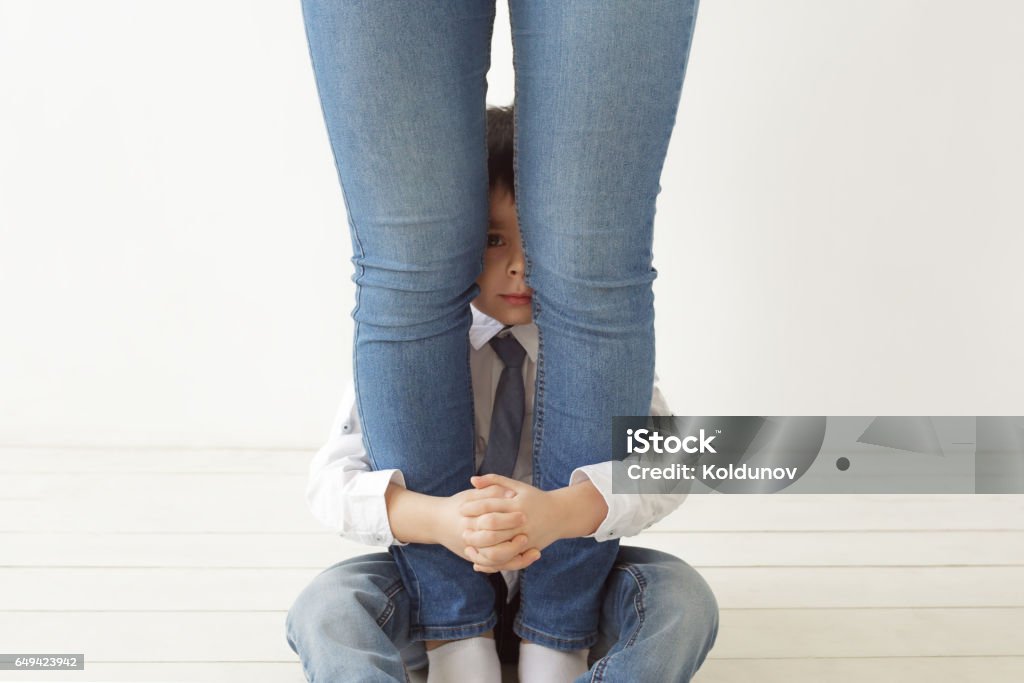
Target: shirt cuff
600, 475
367, 518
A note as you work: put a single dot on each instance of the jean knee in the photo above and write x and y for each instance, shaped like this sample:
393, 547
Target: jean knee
340, 590
674, 587
422, 285
414, 305
611, 305
311, 607
691, 596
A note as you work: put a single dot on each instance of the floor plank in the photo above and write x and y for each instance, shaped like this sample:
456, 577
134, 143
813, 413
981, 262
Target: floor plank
860, 669
244, 588
832, 670
712, 548
177, 672
768, 634
142, 460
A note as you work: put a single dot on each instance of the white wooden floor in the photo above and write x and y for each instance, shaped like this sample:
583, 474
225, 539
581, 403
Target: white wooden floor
181, 565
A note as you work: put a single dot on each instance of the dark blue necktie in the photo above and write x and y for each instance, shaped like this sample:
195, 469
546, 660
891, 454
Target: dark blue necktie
509, 409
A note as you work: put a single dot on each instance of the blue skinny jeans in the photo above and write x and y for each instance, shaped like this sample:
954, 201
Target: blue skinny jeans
402, 87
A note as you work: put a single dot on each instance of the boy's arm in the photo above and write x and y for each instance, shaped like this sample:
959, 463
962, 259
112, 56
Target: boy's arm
374, 507
628, 514
343, 492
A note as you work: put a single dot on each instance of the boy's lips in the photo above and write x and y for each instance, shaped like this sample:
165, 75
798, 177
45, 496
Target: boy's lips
517, 299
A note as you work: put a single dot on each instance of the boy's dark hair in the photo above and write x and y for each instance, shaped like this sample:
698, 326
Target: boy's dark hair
501, 148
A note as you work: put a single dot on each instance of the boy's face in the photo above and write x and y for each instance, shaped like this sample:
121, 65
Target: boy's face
504, 294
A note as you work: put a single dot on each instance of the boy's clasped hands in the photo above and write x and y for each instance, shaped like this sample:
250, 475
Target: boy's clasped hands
503, 524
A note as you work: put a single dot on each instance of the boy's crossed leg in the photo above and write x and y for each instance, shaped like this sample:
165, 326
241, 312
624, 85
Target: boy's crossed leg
659, 619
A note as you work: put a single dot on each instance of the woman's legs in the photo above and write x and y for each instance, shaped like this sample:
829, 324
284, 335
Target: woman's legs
402, 87
659, 620
597, 88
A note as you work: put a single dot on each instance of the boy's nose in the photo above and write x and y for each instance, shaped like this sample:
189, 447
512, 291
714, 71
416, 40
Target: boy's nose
516, 264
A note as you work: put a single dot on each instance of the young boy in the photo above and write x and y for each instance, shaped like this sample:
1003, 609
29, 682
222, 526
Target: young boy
352, 621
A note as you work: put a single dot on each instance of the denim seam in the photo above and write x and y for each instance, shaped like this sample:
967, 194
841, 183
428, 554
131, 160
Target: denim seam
385, 616
601, 666
543, 638
468, 391
417, 610
390, 592
393, 590
523, 575
638, 602
538, 396
486, 190
454, 632
414, 591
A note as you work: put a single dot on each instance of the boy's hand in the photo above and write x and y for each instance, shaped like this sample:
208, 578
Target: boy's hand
548, 516
503, 531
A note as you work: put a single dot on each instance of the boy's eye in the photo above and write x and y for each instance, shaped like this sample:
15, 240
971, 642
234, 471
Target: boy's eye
495, 240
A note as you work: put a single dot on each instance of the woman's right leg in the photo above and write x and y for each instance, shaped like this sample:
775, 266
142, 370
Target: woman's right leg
598, 84
403, 87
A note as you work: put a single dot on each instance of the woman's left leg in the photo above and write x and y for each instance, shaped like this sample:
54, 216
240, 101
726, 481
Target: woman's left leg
403, 90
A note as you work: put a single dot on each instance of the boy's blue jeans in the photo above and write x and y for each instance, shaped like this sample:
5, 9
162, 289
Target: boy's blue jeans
658, 621
402, 86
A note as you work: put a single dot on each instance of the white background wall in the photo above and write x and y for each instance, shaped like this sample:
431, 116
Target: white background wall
839, 230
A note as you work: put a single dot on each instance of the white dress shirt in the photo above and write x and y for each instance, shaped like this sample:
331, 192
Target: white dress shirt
347, 495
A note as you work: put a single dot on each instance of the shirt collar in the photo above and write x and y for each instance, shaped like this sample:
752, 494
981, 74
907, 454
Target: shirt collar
485, 327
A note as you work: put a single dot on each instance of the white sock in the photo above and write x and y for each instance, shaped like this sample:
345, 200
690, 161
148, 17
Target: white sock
473, 660
539, 664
